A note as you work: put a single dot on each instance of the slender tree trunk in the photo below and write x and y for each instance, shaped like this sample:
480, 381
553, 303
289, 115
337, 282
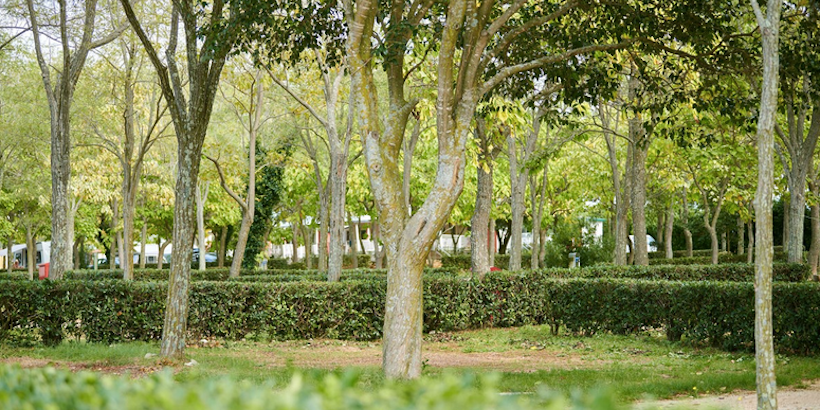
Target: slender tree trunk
353, 229
223, 244
76, 253
687, 234
31, 251
715, 244
492, 243
724, 240
786, 218
741, 236
121, 248
201, 197
338, 186
10, 255
797, 215
112, 251
814, 250
621, 193
660, 238
764, 344
537, 196
143, 243
751, 248
294, 244
324, 225
518, 184
640, 250
307, 233
161, 256
128, 207
670, 224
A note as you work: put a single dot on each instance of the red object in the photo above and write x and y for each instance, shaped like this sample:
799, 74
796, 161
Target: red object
42, 269
494, 269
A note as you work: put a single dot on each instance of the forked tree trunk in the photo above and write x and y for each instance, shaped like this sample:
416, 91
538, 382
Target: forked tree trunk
764, 344
161, 256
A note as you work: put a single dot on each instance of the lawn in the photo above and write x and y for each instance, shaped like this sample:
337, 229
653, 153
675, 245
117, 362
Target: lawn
527, 358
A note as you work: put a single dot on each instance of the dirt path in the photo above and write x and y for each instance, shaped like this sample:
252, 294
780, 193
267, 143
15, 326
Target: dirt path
787, 399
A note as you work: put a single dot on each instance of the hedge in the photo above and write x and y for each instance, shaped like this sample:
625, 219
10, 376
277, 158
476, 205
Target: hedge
707, 260
223, 274
715, 313
49, 388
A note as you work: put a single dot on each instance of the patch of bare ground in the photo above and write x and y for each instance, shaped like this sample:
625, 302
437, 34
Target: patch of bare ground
807, 398
133, 370
332, 354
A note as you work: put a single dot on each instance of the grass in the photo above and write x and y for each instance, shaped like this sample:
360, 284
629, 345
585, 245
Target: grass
633, 367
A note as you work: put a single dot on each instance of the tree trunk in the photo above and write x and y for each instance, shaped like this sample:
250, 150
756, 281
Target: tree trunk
621, 193
814, 251
201, 197
715, 245
10, 255
353, 232
338, 187
741, 236
76, 253
128, 207
223, 244
324, 225
294, 244
480, 222
764, 344
724, 240
31, 252
750, 249
640, 248
660, 238
161, 256
115, 217
492, 243
786, 218
143, 243
687, 234
797, 213
307, 233
670, 224
185, 221
120, 248
538, 195
518, 184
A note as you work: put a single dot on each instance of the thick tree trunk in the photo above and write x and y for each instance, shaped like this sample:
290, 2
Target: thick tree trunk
670, 224
185, 221
242, 241
764, 344
492, 243
814, 250
480, 222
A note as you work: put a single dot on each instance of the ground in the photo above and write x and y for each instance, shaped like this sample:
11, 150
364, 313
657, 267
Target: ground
637, 367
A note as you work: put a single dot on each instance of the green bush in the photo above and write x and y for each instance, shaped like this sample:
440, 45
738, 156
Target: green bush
723, 257
716, 313
49, 388
223, 274
734, 272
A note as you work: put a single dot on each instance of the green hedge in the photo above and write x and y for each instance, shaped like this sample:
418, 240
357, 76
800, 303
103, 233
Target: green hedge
706, 260
717, 313
49, 388
223, 274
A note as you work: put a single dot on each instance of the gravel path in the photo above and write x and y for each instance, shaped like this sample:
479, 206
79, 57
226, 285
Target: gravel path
787, 399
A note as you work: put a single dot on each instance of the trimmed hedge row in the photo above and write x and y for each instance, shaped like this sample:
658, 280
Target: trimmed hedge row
706, 260
696, 252
223, 274
715, 313
49, 388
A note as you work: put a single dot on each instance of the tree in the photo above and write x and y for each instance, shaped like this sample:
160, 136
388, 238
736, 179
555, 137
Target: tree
801, 100
60, 93
764, 345
206, 48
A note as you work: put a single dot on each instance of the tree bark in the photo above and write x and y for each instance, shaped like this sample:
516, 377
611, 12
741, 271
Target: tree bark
814, 250
201, 193
223, 244
538, 193
621, 231
670, 224
687, 234
59, 97
750, 249
10, 255
143, 242
764, 344
741, 236
353, 232
480, 222
161, 256
638, 200
31, 251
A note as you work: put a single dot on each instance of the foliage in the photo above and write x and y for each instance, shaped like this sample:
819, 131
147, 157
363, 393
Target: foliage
268, 193
719, 313
58, 388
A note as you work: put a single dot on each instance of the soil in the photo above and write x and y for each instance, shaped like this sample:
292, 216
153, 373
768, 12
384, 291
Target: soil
807, 398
